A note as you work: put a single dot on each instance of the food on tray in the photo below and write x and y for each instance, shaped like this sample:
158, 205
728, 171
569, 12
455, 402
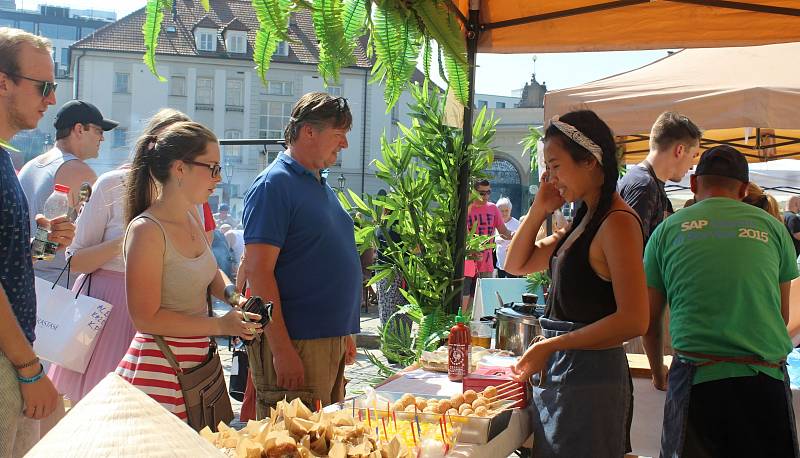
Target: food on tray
468, 404
437, 360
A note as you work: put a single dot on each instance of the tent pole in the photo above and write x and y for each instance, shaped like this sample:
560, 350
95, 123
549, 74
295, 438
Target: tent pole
464, 171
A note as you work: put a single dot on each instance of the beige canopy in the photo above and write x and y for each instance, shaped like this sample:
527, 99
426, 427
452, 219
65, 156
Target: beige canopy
748, 97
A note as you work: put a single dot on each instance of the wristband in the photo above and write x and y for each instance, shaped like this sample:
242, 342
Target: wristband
34, 379
28, 364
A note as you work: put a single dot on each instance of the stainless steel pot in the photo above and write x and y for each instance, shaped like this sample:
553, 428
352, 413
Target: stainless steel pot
515, 330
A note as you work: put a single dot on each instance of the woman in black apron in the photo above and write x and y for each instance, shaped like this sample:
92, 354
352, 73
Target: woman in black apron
582, 400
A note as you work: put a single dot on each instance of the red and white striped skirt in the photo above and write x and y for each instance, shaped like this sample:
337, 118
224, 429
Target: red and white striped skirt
145, 367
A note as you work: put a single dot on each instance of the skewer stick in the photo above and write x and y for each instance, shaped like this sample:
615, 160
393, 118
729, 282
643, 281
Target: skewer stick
507, 389
505, 395
516, 397
498, 387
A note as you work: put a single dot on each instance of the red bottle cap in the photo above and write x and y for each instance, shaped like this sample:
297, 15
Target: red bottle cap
62, 187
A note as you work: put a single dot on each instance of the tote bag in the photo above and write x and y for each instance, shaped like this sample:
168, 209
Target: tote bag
67, 324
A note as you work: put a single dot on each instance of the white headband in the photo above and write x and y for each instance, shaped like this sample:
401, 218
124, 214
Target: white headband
579, 138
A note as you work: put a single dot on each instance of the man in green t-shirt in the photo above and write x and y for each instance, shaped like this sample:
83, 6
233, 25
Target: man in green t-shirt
725, 269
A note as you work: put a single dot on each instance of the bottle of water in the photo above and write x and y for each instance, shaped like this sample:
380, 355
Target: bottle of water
56, 205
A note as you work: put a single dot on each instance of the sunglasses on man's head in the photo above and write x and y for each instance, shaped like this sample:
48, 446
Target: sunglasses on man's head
47, 87
215, 168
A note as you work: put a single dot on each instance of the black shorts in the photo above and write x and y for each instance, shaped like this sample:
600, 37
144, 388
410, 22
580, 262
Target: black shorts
740, 417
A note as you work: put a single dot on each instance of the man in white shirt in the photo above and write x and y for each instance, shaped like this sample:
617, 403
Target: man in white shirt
512, 224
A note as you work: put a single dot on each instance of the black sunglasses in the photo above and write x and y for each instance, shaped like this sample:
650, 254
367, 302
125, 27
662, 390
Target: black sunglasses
215, 168
47, 87
485, 193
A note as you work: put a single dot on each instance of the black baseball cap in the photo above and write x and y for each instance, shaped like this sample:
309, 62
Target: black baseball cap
80, 112
724, 161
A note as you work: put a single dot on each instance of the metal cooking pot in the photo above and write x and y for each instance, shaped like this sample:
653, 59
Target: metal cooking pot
516, 326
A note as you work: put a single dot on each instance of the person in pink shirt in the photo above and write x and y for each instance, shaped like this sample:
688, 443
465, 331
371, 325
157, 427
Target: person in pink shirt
483, 217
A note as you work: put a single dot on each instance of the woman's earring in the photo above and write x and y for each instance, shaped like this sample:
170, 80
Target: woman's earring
179, 182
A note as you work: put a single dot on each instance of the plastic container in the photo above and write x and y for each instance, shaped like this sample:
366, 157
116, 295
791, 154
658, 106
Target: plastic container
481, 332
458, 350
56, 205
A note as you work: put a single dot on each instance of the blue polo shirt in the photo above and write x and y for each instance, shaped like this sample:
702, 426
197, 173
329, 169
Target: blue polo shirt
318, 268
16, 265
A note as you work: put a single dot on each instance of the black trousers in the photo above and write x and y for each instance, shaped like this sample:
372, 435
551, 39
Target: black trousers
740, 417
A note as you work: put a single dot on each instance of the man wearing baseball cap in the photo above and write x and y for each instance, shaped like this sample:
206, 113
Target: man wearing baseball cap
725, 269
79, 132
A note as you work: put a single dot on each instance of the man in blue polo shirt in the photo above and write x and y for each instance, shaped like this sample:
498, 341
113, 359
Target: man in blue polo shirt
300, 253
26, 394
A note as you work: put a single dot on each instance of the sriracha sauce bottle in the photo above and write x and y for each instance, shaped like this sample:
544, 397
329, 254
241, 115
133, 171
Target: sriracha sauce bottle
458, 350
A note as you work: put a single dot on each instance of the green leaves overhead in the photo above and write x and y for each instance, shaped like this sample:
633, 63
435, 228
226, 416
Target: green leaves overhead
273, 18
397, 42
397, 30
335, 51
151, 29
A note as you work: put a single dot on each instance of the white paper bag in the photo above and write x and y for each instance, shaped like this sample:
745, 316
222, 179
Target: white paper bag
67, 325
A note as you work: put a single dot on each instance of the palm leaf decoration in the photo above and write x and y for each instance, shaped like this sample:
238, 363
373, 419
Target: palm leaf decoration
151, 30
397, 41
354, 19
273, 15
334, 50
206, 5
457, 78
265, 46
426, 57
442, 27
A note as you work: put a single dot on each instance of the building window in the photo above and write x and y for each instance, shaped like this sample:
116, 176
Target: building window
335, 91
279, 87
273, 119
395, 114
205, 92
232, 154
86, 31
27, 26
177, 86
234, 94
500, 105
206, 40
282, 50
236, 43
482, 103
121, 81
58, 31
120, 137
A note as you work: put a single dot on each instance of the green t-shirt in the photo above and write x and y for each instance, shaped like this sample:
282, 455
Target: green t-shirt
719, 263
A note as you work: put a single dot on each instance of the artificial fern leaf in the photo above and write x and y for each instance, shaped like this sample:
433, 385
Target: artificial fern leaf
206, 5
426, 58
397, 43
275, 15
443, 27
151, 29
354, 18
457, 78
265, 46
334, 51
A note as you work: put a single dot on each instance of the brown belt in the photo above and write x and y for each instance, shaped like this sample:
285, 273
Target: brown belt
716, 359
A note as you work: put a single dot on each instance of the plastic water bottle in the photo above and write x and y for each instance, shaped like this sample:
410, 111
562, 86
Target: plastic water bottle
56, 205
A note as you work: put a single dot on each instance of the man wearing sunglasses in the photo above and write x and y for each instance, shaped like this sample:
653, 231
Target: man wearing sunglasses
26, 394
300, 253
484, 218
79, 132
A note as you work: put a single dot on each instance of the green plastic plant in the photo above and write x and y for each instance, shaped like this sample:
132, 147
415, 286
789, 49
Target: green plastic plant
397, 31
419, 168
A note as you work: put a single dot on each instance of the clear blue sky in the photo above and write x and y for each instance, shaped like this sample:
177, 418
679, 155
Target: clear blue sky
497, 74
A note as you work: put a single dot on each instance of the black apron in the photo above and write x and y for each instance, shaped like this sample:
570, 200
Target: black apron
676, 406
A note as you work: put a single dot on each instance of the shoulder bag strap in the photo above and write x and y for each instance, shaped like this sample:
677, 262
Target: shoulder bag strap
170, 357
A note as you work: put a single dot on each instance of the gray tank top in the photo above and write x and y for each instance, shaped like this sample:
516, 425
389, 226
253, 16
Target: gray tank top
184, 281
37, 178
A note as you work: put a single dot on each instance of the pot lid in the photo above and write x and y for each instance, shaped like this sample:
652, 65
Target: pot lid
509, 314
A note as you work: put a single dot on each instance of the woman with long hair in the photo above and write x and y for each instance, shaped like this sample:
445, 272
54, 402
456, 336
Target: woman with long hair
96, 251
582, 403
169, 267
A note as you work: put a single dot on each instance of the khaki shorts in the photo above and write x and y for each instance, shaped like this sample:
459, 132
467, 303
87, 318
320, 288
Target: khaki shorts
323, 363
18, 433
